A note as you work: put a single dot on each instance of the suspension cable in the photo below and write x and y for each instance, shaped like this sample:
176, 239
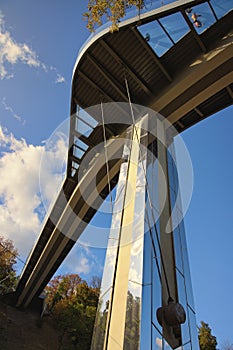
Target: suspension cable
106, 155
148, 193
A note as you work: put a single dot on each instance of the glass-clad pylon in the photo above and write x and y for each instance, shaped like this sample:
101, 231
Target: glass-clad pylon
146, 264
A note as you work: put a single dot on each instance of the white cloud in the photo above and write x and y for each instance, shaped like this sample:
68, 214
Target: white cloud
31, 176
12, 112
21, 205
12, 52
60, 79
81, 260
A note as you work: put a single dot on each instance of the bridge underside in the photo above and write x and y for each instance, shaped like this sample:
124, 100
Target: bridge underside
188, 83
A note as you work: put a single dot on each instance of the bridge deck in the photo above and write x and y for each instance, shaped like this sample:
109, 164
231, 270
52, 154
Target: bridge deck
188, 82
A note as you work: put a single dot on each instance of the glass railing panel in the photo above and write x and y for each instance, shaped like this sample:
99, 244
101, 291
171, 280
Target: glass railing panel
201, 16
156, 37
83, 128
175, 25
221, 7
77, 152
80, 143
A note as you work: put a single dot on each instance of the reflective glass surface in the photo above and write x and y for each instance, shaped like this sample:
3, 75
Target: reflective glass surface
157, 340
187, 346
133, 317
202, 17
156, 293
193, 329
77, 152
221, 7
87, 118
100, 321
146, 316
80, 143
83, 128
156, 37
188, 282
175, 26
183, 301
147, 256
178, 250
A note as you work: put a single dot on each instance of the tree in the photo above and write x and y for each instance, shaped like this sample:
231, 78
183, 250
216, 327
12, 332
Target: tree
113, 10
8, 255
207, 341
73, 304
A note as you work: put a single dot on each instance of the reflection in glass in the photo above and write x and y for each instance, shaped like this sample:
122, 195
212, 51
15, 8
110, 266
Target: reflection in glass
100, 321
80, 143
156, 291
187, 347
146, 317
147, 256
178, 250
175, 25
183, 301
157, 340
156, 37
83, 128
77, 152
188, 282
193, 329
133, 317
221, 7
202, 17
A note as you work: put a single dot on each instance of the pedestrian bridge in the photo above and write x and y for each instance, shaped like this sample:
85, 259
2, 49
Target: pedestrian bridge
168, 62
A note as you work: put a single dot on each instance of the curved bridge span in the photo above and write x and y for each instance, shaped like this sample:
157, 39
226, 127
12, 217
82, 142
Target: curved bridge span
186, 81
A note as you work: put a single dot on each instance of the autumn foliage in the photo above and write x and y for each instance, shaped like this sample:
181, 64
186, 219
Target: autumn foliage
72, 303
8, 255
111, 10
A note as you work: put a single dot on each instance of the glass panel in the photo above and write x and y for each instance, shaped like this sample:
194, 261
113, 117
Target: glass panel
77, 152
82, 113
202, 17
186, 347
188, 283
156, 37
172, 169
156, 243
157, 341
83, 128
147, 256
221, 7
73, 172
166, 346
133, 317
109, 266
175, 25
178, 251
172, 197
80, 143
156, 293
183, 302
193, 330
75, 165
100, 321
146, 314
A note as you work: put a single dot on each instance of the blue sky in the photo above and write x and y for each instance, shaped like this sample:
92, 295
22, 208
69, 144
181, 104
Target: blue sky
39, 43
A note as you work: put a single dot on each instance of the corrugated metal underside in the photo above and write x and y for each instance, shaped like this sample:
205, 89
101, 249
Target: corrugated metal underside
124, 54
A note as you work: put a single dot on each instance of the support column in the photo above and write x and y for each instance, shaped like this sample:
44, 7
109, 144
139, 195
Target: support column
168, 271
117, 314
